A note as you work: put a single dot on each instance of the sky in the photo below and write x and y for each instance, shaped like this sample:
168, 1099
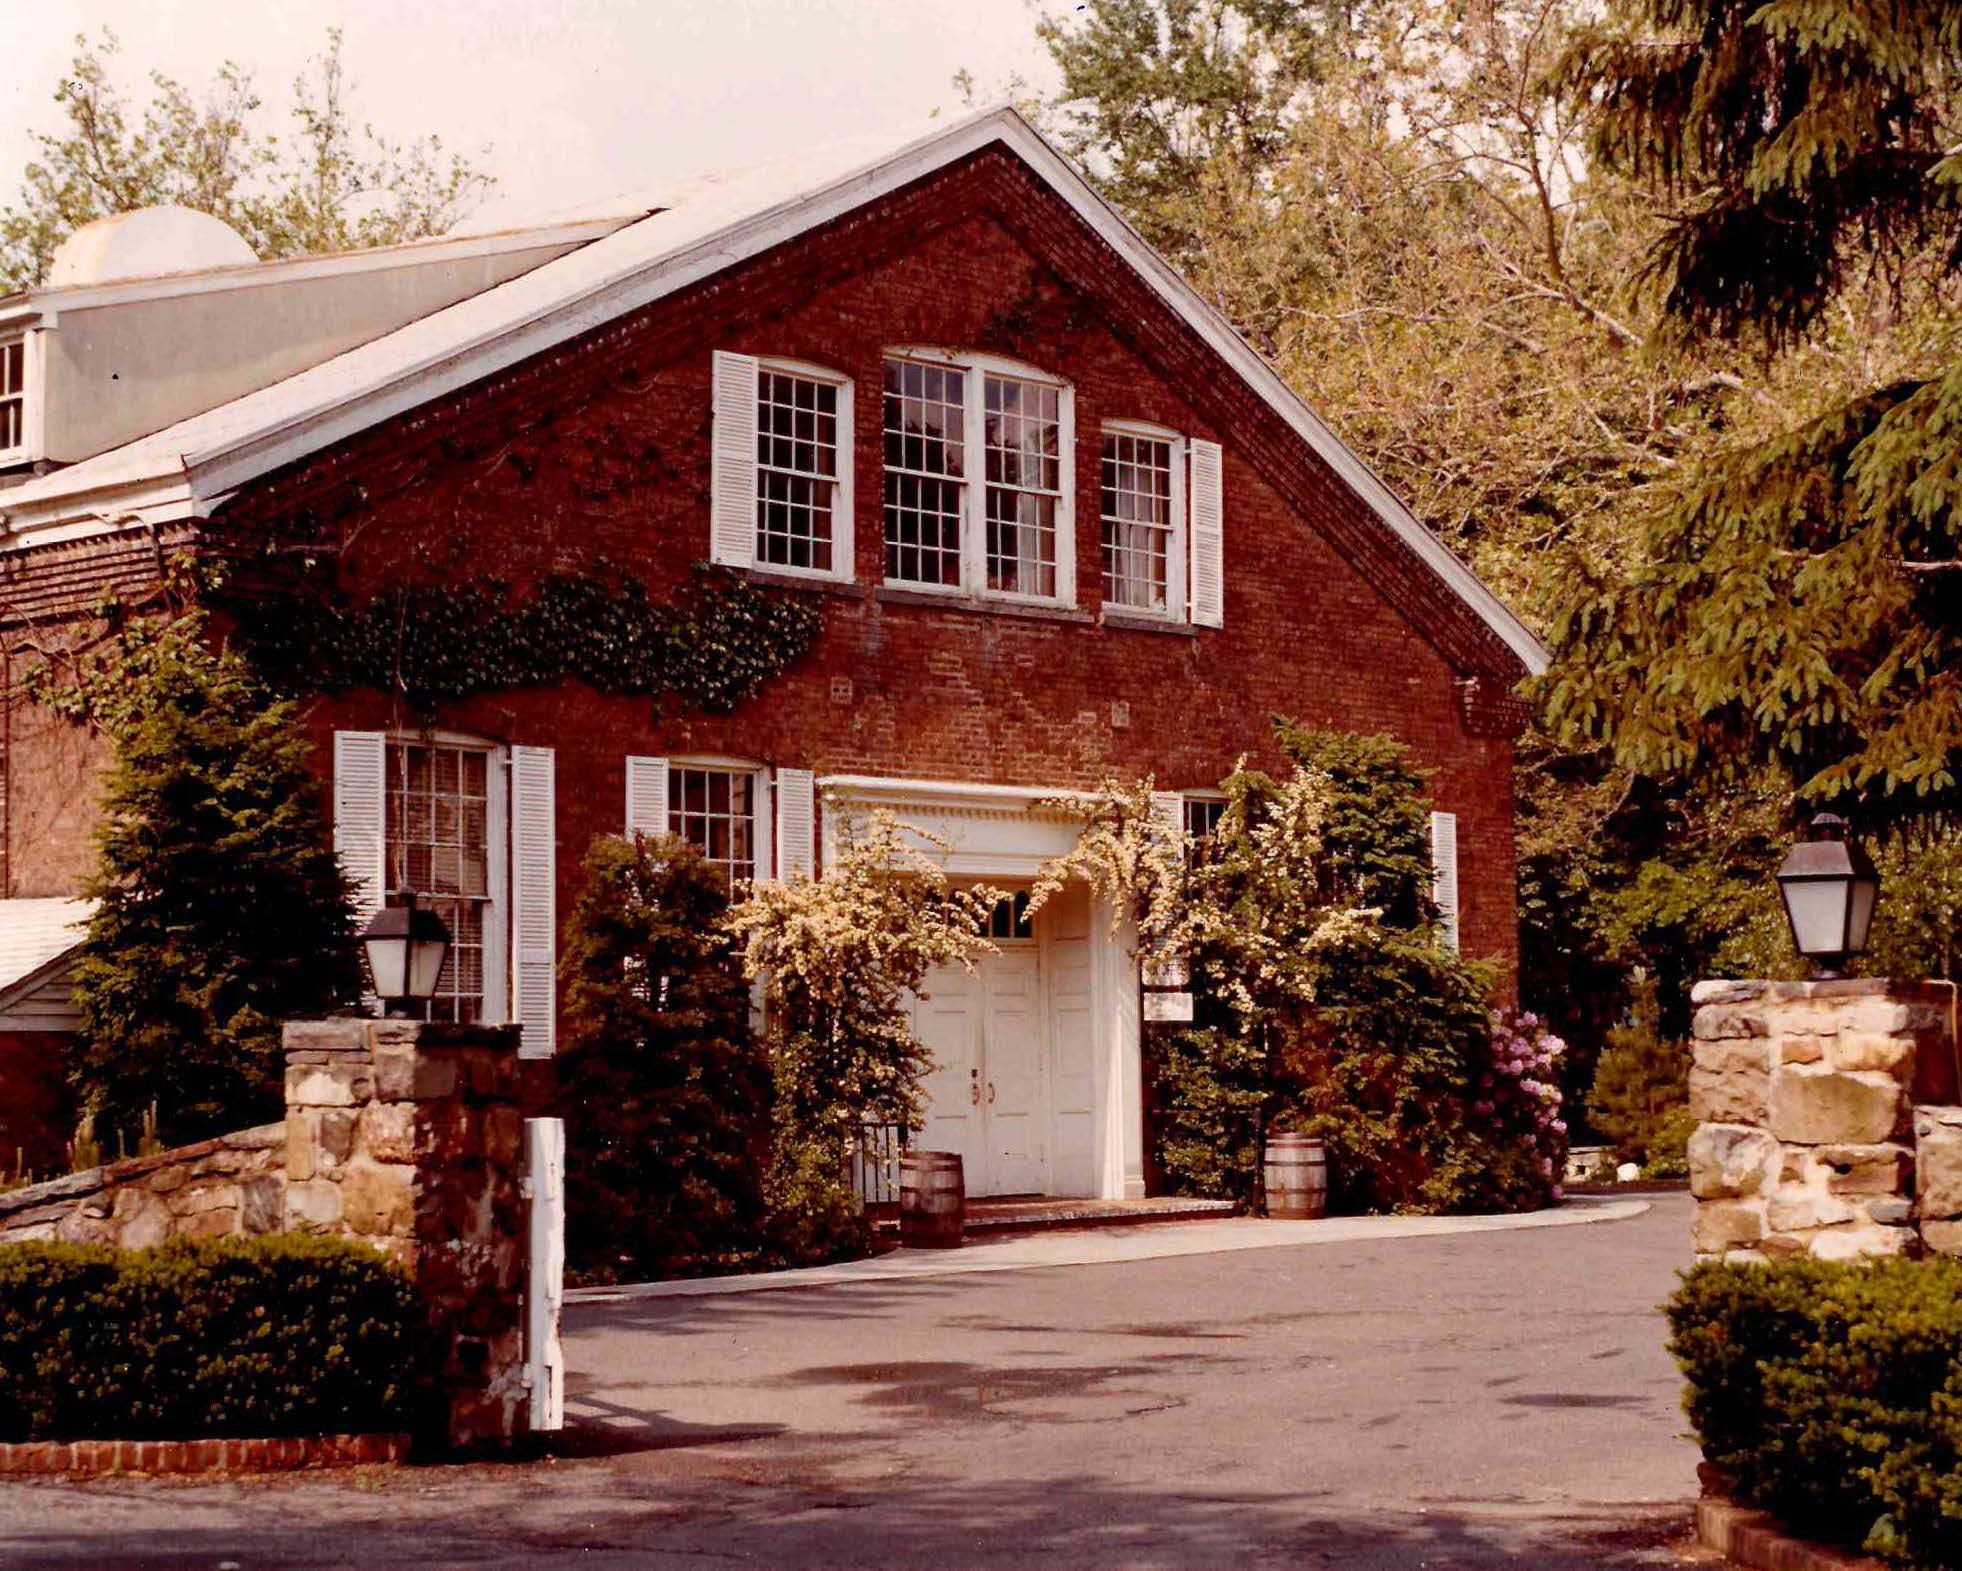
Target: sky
566, 101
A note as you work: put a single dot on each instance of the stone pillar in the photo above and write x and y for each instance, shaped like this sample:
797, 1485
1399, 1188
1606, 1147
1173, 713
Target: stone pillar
1804, 1096
410, 1136
1938, 1178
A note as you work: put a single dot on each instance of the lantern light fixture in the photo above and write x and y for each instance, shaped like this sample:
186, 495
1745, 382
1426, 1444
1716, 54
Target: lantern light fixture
406, 946
1830, 887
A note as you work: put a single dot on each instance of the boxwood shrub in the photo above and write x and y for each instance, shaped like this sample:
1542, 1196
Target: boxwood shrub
249, 1337
1831, 1394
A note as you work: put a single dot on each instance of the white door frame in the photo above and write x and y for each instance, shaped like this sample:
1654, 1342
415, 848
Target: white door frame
1008, 833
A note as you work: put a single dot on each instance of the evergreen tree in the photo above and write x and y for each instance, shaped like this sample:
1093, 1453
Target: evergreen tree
665, 1090
1641, 1086
221, 908
1795, 601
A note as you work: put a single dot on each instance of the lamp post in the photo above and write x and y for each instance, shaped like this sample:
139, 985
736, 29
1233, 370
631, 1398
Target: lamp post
1829, 888
406, 947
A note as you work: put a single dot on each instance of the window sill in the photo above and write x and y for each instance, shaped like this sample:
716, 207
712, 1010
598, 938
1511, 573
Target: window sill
947, 600
806, 581
1131, 622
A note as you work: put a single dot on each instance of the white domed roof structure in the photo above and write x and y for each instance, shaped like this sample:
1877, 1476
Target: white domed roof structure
148, 243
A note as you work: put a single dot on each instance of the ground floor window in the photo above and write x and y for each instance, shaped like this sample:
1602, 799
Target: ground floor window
1202, 816
438, 836
713, 808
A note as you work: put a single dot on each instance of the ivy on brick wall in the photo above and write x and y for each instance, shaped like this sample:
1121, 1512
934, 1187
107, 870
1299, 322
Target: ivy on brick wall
712, 648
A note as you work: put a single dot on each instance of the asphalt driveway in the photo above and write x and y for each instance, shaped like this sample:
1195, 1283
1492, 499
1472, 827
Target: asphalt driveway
1495, 1399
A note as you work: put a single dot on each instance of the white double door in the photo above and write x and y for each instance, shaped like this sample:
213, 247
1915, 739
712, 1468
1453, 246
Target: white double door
987, 1095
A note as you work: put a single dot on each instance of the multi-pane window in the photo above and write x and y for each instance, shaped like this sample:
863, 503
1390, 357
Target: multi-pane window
714, 810
796, 469
997, 528
1140, 524
438, 844
1010, 917
1023, 432
13, 395
1202, 816
926, 489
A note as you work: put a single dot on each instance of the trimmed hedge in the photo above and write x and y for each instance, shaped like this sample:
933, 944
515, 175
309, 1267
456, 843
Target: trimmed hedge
217, 1337
1832, 1396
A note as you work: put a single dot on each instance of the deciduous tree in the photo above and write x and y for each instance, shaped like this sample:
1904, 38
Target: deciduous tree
328, 183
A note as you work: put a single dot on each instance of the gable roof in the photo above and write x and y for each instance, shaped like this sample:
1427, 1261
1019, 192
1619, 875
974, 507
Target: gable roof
191, 468
36, 937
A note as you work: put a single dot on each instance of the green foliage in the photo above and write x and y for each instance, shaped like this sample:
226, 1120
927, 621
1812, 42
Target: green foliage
1792, 598
1917, 927
1795, 144
811, 1217
329, 184
1641, 1085
1831, 1394
1377, 829
1793, 605
252, 1337
1383, 1069
1669, 1148
664, 1089
1396, 204
1315, 1014
221, 909
1154, 93
842, 958
434, 644
1210, 1087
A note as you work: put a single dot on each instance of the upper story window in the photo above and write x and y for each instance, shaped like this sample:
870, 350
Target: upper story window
797, 468
926, 468
13, 395
1004, 530
781, 487
1143, 508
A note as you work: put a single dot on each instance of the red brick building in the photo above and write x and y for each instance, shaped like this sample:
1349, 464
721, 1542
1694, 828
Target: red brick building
1061, 523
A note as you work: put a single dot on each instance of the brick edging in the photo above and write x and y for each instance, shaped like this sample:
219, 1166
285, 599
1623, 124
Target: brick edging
95, 1457
1752, 1538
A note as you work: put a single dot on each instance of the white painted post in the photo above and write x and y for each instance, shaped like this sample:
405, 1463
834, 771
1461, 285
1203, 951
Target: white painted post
545, 1271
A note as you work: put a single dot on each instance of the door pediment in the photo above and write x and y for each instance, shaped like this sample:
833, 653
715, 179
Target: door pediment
980, 831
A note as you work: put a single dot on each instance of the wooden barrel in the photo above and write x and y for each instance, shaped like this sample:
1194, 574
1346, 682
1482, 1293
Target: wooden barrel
932, 1200
1296, 1174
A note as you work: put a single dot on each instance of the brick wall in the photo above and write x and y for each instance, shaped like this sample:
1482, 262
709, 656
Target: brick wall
600, 452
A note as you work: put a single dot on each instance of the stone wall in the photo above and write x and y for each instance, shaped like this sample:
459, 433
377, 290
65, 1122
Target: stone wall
1810, 1100
234, 1184
403, 1135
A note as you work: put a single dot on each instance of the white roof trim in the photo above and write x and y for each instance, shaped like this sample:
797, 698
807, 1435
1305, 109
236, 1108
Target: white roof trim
225, 448
285, 270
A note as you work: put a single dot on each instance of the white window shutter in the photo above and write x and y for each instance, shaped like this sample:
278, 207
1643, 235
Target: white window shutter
1168, 808
796, 796
647, 796
360, 789
732, 471
1207, 517
534, 965
1444, 868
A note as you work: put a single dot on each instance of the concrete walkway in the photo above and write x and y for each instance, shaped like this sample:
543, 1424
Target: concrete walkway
1118, 1246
